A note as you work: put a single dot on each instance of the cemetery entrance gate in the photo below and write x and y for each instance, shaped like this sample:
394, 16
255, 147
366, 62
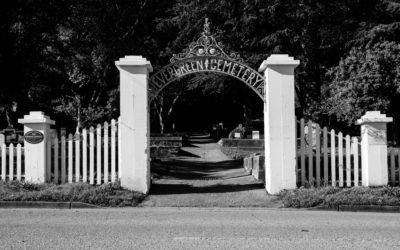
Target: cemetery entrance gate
274, 85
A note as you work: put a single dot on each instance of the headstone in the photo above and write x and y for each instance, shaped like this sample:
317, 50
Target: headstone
258, 171
248, 164
2, 139
256, 135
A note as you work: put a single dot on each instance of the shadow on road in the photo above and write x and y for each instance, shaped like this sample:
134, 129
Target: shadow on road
189, 170
161, 189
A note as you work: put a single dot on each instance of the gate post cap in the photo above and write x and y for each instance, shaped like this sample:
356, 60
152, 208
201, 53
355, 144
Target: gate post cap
134, 61
278, 59
36, 117
373, 117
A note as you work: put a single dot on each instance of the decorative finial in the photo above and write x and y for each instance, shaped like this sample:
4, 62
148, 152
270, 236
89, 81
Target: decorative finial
206, 45
206, 27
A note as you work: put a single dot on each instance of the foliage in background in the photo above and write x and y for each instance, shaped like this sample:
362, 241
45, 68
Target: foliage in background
367, 79
58, 55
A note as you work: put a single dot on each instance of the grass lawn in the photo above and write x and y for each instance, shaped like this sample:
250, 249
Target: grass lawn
103, 195
334, 196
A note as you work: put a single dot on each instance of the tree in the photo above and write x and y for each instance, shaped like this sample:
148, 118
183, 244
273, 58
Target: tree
368, 78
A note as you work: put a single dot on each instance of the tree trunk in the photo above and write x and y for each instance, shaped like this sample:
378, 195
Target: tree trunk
160, 101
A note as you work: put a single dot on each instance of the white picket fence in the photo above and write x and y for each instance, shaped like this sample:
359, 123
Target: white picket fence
327, 158
90, 155
331, 158
11, 162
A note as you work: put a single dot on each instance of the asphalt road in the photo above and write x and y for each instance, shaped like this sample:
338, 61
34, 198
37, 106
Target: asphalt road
196, 228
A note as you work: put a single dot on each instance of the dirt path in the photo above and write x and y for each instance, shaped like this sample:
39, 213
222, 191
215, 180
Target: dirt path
202, 176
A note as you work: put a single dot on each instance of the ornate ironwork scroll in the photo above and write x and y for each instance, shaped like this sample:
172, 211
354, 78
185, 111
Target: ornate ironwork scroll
206, 55
206, 45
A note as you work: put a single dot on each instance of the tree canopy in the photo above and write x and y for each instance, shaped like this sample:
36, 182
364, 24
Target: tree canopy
59, 56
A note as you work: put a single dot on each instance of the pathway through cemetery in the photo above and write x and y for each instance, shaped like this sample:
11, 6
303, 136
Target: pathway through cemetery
202, 176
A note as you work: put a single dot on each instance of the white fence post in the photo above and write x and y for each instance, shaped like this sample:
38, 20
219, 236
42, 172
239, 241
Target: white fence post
84, 155
374, 163
134, 123
279, 123
11, 162
105, 158
77, 156
3, 162
38, 126
113, 149
98, 154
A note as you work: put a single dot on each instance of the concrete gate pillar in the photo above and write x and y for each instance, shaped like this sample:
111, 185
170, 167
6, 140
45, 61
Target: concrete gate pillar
279, 123
134, 123
36, 133
374, 163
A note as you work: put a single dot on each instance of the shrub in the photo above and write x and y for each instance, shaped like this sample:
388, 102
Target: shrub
108, 194
334, 196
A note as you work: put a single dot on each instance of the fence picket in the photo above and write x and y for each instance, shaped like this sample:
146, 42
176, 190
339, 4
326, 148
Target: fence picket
392, 168
325, 149
302, 153
70, 158
310, 154
84, 155
3, 162
318, 155
333, 158
91, 155
98, 162
355, 152
340, 153
119, 146
19, 159
105, 152
348, 162
113, 150
11, 162
55, 180
48, 160
63, 160
77, 157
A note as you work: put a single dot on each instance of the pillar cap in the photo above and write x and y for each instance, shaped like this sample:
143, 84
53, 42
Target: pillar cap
134, 61
278, 60
373, 117
36, 117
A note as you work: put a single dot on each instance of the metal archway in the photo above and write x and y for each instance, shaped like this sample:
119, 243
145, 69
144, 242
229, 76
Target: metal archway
205, 55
